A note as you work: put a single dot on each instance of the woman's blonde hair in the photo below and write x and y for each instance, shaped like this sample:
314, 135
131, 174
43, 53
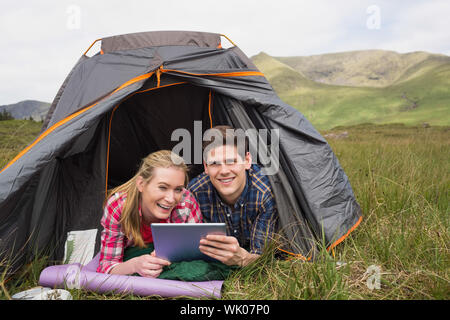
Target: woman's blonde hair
130, 219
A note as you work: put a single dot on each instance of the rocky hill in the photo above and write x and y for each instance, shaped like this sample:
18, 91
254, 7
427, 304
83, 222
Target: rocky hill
26, 109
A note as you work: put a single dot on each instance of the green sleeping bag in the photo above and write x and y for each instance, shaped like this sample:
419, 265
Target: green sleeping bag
196, 270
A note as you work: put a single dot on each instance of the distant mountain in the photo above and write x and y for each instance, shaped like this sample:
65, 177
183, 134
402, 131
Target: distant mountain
368, 68
37, 110
363, 86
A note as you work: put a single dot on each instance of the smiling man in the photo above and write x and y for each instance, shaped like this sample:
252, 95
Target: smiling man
233, 191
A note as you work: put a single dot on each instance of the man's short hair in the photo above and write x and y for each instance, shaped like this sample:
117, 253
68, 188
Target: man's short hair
225, 135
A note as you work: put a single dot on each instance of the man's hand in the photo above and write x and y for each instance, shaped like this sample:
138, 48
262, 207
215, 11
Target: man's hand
227, 250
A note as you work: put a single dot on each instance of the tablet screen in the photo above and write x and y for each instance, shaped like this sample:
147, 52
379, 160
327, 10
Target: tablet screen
180, 241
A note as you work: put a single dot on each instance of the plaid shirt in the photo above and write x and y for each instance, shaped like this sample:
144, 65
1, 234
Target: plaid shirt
113, 239
253, 218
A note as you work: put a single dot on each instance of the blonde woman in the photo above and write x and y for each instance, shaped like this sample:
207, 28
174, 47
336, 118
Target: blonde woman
156, 193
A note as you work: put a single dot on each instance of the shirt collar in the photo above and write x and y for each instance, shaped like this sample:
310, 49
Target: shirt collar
241, 200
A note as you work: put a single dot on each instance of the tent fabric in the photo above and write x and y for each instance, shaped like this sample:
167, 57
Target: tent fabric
158, 39
116, 107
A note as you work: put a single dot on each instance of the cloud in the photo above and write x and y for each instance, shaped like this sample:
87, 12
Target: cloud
41, 41
422, 27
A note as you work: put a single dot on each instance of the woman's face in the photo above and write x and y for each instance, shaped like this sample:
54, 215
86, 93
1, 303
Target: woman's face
161, 194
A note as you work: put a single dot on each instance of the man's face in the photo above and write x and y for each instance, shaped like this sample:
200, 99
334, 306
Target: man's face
226, 169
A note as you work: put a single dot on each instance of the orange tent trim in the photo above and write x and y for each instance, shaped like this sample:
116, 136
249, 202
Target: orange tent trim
296, 255
334, 244
331, 247
209, 108
224, 74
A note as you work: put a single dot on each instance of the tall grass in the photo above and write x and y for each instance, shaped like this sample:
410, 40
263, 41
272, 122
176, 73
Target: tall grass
401, 179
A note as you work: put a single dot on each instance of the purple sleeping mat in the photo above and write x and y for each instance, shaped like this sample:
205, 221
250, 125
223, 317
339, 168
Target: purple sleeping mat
77, 276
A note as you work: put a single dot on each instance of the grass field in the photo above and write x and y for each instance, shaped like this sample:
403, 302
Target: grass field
14, 136
401, 178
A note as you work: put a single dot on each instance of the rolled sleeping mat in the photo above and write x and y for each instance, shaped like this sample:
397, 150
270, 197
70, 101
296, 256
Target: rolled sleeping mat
77, 276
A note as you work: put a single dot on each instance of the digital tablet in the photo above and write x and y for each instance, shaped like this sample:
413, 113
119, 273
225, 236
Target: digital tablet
180, 241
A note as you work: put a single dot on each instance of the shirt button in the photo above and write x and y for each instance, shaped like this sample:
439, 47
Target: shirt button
235, 231
228, 215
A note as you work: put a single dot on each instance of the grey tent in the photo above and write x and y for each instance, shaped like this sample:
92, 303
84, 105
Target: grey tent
124, 102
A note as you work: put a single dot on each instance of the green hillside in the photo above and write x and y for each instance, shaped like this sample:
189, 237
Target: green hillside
369, 68
410, 88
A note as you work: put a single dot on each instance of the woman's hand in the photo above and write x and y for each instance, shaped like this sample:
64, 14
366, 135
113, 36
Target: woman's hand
149, 265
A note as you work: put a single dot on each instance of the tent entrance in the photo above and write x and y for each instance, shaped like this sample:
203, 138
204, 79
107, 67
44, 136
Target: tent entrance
144, 123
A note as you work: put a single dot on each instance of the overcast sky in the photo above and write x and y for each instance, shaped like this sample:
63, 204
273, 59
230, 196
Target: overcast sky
42, 40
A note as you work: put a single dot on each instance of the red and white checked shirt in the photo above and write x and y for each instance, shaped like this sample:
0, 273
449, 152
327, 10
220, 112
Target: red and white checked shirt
113, 239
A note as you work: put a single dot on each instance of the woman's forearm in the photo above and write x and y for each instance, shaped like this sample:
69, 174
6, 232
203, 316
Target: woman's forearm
126, 267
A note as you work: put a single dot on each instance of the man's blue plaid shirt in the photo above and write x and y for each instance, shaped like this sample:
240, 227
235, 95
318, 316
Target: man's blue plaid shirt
252, 220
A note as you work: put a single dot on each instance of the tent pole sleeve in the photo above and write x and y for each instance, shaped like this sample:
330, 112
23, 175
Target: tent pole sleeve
228, 40
91, 46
